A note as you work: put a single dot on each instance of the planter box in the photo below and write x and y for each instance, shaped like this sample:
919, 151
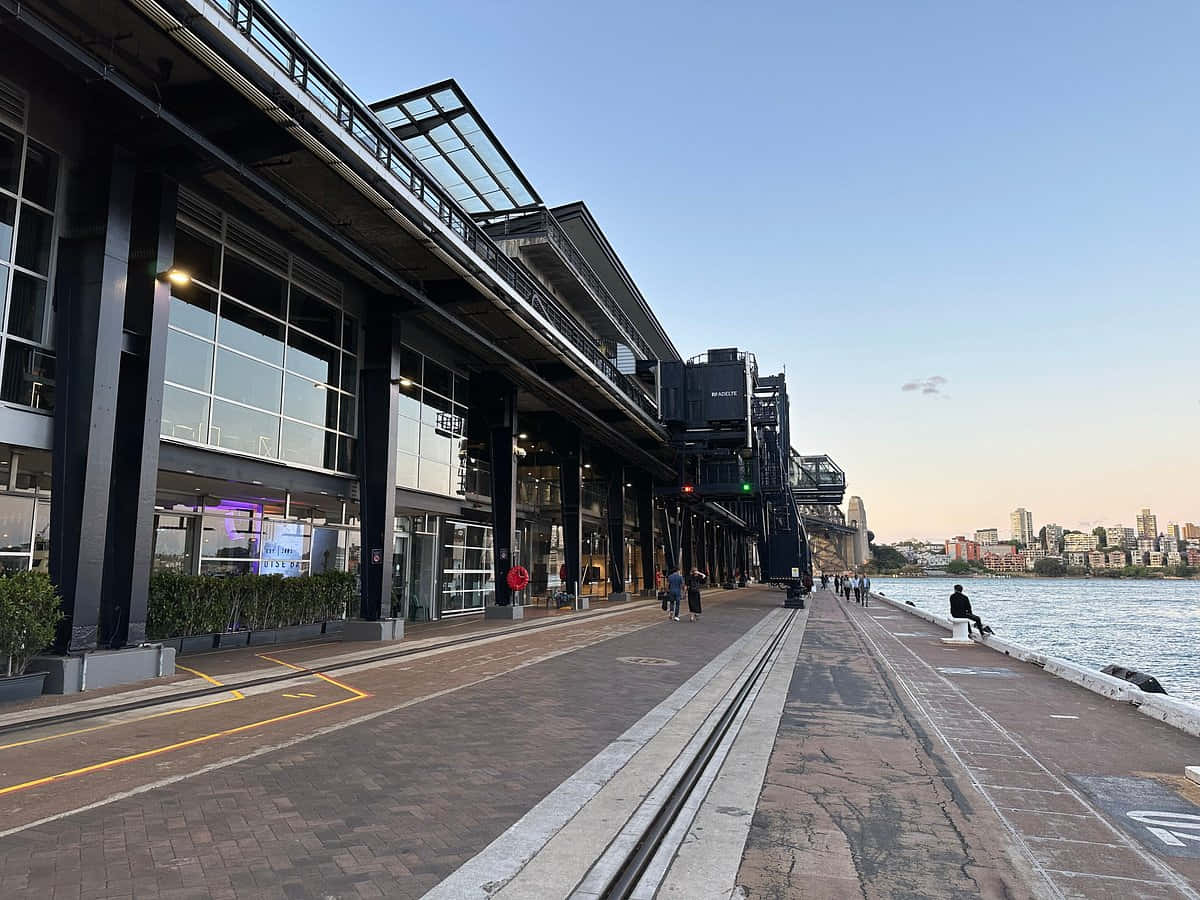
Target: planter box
21, 687
335, 626
286, 634
230, 639
196, 643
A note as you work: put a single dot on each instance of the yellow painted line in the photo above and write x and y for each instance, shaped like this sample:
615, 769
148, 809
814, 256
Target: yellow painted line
359, 694
237, 695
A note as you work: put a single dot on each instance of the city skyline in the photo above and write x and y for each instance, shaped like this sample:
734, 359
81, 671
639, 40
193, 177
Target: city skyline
1003, 533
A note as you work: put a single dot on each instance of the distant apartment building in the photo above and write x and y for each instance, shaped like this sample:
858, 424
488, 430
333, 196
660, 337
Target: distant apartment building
1054, 534
1076, 559
1175, 559
1193, 556
1009, 562
1022, 525
1191, 532
960, 548
1168, 544
1076, 542
987, 536
1138, 557
1173, 531
1097, 559
1000, 549
1116, 559
1156, 560
1031, 555
1147, 544
1120, 536
1147, 524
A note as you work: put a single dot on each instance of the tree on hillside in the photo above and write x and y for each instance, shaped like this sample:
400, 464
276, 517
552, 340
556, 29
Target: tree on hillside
1101, 536
887, 559
958, 567
1051, 568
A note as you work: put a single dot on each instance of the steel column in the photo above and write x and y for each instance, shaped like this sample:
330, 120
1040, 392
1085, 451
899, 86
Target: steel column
645, 519
502, 446
570, 475
616, 528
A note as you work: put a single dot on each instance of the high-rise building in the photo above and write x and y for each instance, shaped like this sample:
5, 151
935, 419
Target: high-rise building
1120, 536
1191, 532
1022, 525
1080, 542
987, 536
1147, 524
962, 549
1173, 531
1054, 535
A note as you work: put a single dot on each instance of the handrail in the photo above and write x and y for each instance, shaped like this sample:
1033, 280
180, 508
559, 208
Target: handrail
263, 27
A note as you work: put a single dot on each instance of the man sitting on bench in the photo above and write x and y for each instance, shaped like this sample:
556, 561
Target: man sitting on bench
960, 608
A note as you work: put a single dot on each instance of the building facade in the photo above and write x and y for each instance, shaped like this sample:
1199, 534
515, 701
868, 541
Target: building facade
242, 341
962, 549
987, 536
1021, 521
1147, 524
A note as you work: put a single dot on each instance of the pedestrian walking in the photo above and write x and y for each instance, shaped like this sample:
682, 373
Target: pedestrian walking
866, 590
960, 608
674, 594
846, 588
857, 588
694, 580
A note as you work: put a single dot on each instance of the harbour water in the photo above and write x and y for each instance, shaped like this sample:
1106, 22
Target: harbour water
1149, 625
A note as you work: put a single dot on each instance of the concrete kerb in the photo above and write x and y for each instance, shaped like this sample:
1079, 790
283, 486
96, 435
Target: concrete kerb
1178, 714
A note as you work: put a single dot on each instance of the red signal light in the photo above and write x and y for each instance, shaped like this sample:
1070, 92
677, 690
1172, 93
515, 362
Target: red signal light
688, 489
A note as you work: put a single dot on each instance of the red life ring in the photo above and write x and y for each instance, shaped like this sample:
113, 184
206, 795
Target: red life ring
517, 578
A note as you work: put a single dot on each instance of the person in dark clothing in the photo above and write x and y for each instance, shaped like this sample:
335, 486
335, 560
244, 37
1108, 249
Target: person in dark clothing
960, 608
674, 592
857, 589
694, 581
846, 588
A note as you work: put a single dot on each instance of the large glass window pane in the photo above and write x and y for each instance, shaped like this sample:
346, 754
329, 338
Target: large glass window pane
347, 413
245, 330
350, 333
41, 175
231, 531
34, 235
438, 378
435, 410
8, 219
227, 568
244, 430
349, 373
16, 523
408, 435
189, 360
304, 444
194, 309
314, 315
41, 536
435, 446
197, 255
10, 158
406, 470
27, 309
185, 415
460, 390
173, 543
11, 564
410, 401
28, 376
347, 448
410, 366
318, 361
434, 477
251, 283
308, 400
247, 381
285, 548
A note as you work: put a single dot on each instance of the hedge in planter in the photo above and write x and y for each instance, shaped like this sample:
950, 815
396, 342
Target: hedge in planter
182, 605
30, 610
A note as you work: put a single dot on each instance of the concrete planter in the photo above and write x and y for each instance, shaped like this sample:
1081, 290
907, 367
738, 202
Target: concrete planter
286, 634
21, 687
194, 643
231, 639
335, 626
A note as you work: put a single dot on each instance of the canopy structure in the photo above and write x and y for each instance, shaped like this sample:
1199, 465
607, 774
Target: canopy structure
442, 128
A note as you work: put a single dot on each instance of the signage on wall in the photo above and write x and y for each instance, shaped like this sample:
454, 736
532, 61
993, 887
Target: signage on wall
284, 549
377, 557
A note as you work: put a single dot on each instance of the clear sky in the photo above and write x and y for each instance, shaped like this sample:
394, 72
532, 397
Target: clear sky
996, 202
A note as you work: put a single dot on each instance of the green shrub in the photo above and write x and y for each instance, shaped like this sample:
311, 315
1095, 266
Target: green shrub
30, 610
182, 605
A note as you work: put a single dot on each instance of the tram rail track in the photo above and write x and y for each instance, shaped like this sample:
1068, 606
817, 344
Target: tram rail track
82, 715
633, 869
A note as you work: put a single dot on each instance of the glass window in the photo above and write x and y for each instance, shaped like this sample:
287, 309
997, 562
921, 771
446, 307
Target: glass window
28, 376
173, 536
10, 564
8, 218
197, 255
347, 460
436, 410
406, 470
438, 378
245, 330
247, 381
41, 536
349, 373
285, 548
231, 532
10, 158
460, 389
27, 307
305, 445
410, 366
16, 523
227, 568
251, 283
194, 309
410, 403
313, 402
350, 334
34, 235
348, 412
318, 361
434, 477
244, 430
185, 415
189, 360
408, 435
314, 315
41, 175
435, 446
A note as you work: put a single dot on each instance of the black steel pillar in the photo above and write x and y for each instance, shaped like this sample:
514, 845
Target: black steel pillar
570, 474
645, 519
672, 535
702, 546
378, 409
138, 412
502, 445
89, 324
616, 528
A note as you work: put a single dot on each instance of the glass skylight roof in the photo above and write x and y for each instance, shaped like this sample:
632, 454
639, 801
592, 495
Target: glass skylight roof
441, 127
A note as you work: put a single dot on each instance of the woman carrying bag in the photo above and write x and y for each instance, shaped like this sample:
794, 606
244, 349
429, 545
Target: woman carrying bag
694, 580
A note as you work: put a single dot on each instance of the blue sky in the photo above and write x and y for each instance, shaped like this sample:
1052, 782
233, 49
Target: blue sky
1004, 195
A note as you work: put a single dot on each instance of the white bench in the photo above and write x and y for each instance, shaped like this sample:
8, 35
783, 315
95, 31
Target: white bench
961, 633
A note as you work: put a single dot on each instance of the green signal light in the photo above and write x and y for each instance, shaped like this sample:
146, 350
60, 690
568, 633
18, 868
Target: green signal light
747, 487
